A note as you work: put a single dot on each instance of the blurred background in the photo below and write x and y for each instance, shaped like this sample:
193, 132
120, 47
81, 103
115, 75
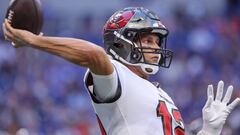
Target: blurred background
41, 94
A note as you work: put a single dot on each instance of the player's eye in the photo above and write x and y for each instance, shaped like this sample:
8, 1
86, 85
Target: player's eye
147, 41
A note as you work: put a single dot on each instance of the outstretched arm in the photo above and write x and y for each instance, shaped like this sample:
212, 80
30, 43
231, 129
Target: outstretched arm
215, 112
77, 51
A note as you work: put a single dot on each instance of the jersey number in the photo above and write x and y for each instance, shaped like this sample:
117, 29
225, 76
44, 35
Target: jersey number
162, 111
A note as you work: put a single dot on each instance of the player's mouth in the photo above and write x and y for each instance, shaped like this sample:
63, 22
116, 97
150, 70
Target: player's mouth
155, 59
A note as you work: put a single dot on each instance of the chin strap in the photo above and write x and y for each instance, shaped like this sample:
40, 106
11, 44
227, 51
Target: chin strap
149, 69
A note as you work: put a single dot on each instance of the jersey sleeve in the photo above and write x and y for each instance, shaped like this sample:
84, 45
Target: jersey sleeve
103, 88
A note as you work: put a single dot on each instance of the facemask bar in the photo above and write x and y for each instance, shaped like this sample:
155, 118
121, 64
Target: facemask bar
165, 54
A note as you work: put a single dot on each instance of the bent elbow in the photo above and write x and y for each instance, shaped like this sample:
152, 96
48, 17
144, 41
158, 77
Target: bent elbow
94, 56
99, 62
97, 54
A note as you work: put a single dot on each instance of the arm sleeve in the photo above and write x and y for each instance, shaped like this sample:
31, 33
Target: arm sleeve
105, 86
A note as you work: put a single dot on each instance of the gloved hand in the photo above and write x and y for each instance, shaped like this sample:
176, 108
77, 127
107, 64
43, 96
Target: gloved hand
215, 112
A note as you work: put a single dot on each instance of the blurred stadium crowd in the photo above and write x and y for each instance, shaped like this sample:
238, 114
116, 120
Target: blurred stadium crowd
41, 94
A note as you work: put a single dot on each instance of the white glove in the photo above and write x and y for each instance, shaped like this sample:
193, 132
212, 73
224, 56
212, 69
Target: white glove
215, 112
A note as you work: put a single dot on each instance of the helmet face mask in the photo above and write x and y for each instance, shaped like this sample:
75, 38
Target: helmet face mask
123, 31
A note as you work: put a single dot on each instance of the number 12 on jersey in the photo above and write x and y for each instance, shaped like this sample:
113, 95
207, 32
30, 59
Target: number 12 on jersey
167, 119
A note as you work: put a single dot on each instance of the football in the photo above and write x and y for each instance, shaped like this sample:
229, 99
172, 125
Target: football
26, 15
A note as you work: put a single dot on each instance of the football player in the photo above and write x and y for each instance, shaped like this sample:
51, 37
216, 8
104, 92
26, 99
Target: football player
125, 102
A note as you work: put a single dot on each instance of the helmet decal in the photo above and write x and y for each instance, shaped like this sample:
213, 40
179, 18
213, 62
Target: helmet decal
119, 20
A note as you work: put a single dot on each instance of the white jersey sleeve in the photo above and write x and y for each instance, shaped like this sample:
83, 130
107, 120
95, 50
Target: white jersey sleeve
103, 88
105, 92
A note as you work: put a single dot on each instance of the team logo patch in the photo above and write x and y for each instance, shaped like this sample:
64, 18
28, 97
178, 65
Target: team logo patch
119, 20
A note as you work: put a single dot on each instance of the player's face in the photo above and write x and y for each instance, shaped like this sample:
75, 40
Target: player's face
150, 41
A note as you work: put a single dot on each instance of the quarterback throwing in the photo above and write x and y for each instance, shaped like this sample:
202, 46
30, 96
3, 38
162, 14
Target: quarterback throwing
125, 102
